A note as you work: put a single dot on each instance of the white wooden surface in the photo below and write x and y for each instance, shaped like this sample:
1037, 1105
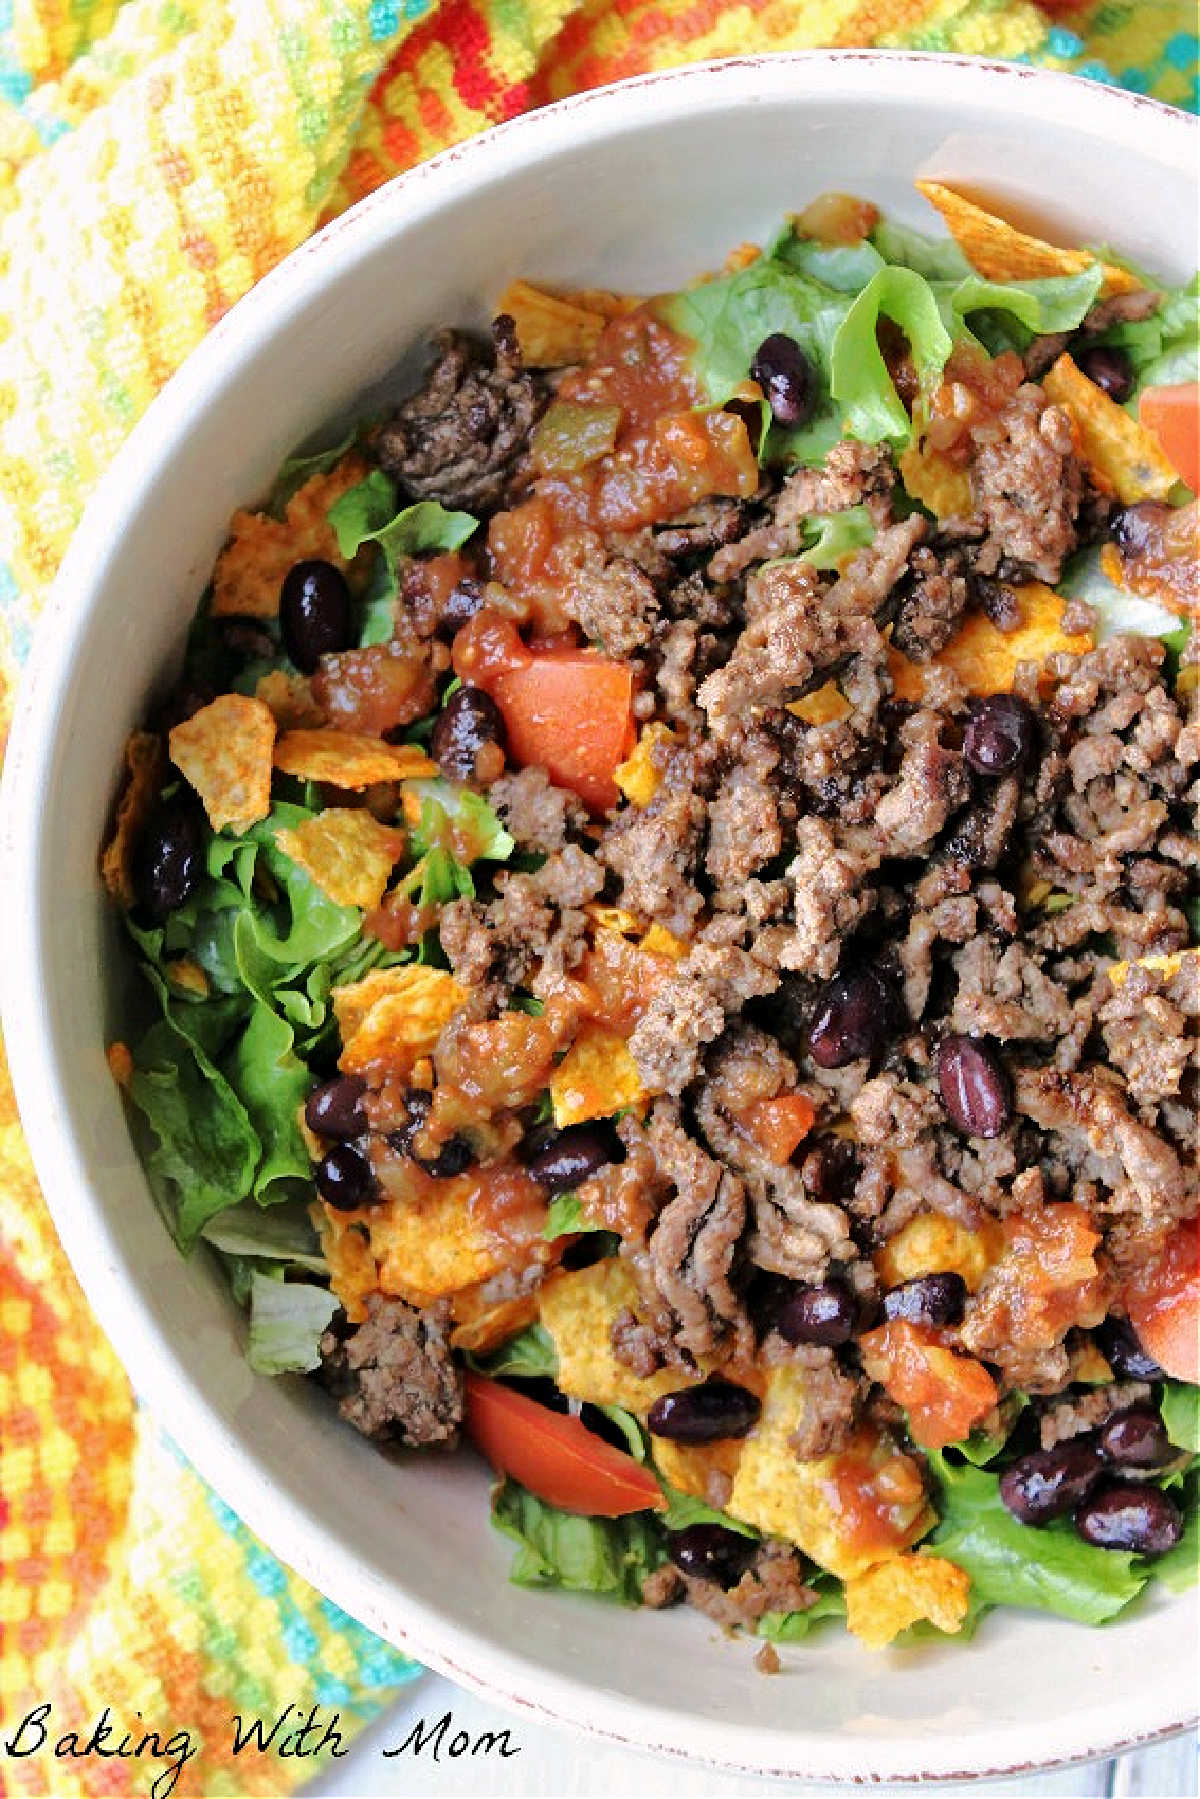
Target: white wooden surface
555, 1764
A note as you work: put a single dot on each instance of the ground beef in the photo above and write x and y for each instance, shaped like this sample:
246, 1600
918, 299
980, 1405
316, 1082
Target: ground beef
774, 1582
613, 601
743, 822
394, 1376
1027, 484
460, 438
933, 598
1086, 1411
832, 1400
538, 814
653, 850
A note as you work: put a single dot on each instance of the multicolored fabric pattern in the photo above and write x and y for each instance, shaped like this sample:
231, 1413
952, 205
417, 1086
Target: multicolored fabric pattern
156, 157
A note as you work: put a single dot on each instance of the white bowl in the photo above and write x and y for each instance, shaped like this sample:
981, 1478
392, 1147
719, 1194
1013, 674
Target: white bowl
640, 187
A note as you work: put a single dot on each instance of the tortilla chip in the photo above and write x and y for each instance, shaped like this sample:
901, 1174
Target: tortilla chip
639, 777
941, 485
224, 751
353, 1274
349, 759
188, 976
931, 1243
1002, 253
437, 1248
349, 854
1166, 965
824, 707
578, 1310
550, 331
984, 658
1122, 456
689, 1467
120, 1062
804, 1501
261, 549
602, 300
658, 941
614, 918
142, 779
595, 1078
480, 1326
290, 698
394, 1015
887, 1599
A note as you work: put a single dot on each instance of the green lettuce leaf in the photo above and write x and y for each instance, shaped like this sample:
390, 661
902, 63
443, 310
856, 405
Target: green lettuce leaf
452, 814
982, 1447
1179, 1569
1180, 1408
630, 1429
282, 1233
299, 468
793, 1627
683, 1510
837, 536
859, 378
371, 513
846, 268
937, 258
530, 1354
564, 1218
1119, 611
287, 1319
272, 1083
1049, 1568
988, 309
609, 1557
1164, 348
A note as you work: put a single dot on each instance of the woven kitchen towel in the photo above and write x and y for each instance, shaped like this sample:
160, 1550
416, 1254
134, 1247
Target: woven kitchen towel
156, 157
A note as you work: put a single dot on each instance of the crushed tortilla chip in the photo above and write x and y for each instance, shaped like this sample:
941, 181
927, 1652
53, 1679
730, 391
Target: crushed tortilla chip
1002, 253
690, 1467
639, 777
1088, 1365
290, 698
1168, 965
481, 1325
578, 1310
941, 485
187, 976
349, 854
224, 751
658, 941
120, 1062
985, 658
596, 1077
1122, 456
614, 918
742, 256
931, 1243
813, 1504
349, 759
825, 706
353, 1273
551, 332
394, 1015
885, 1600
144, 764
261, 549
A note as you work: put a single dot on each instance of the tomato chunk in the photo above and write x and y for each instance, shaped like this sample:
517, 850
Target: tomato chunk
1163, 1298
556, 1457
571, 713
1173, 415
944, 1394
779, 1125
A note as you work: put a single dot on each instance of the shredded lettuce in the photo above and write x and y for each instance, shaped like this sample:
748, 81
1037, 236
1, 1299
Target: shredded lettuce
630, 1429
452, 814
684, 1510
301, 467
792, 1627
1179, 1569
287, 1319
371, 513
1049, 1568
937, 258
837, 536
859, 378
609, 1557
282, 1233
530, 1355
1164, 348
1119, 611
564, 1217
1180, 1408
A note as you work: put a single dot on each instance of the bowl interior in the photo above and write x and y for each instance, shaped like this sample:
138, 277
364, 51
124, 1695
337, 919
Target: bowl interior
639, 189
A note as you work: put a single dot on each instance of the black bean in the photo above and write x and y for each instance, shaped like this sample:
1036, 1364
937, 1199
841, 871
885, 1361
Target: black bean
468, 721
998, 735
704, 1414
975, 1086
935, 1299
335, 1108
855, 1015
168, 861
1110, 368
1049, 1482
1136, 1438
825, 1314
1123, 1514
345, 1179
316, 613
785, 375
830, 1169
710, 1552
559, 1160
1120, 1348
454, 1157
1139, 527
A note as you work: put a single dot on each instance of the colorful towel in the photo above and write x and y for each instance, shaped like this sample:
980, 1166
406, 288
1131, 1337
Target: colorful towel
156, 157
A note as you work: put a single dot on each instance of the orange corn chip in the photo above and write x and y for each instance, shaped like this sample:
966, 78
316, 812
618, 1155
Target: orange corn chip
120, 1062
613, 918
1166, 965
639, 777
353, 1273
895, 1594
658, 941
595, 1078
984, 658
144, 763
188, 976
224, 751
290, 698
261, 549
824, 707
579, 1310
349, 854
349, 759
931, 477
480, 1325
689, 1467
1002, 253
394, 1015
551, 332
438, 1247
1121, 454
931, 1243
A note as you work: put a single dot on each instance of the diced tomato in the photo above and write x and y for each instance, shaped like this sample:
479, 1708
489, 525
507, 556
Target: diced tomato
944, 1394
1173, 415
1163, 1298
778, 1125
555, 1456
571, 713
